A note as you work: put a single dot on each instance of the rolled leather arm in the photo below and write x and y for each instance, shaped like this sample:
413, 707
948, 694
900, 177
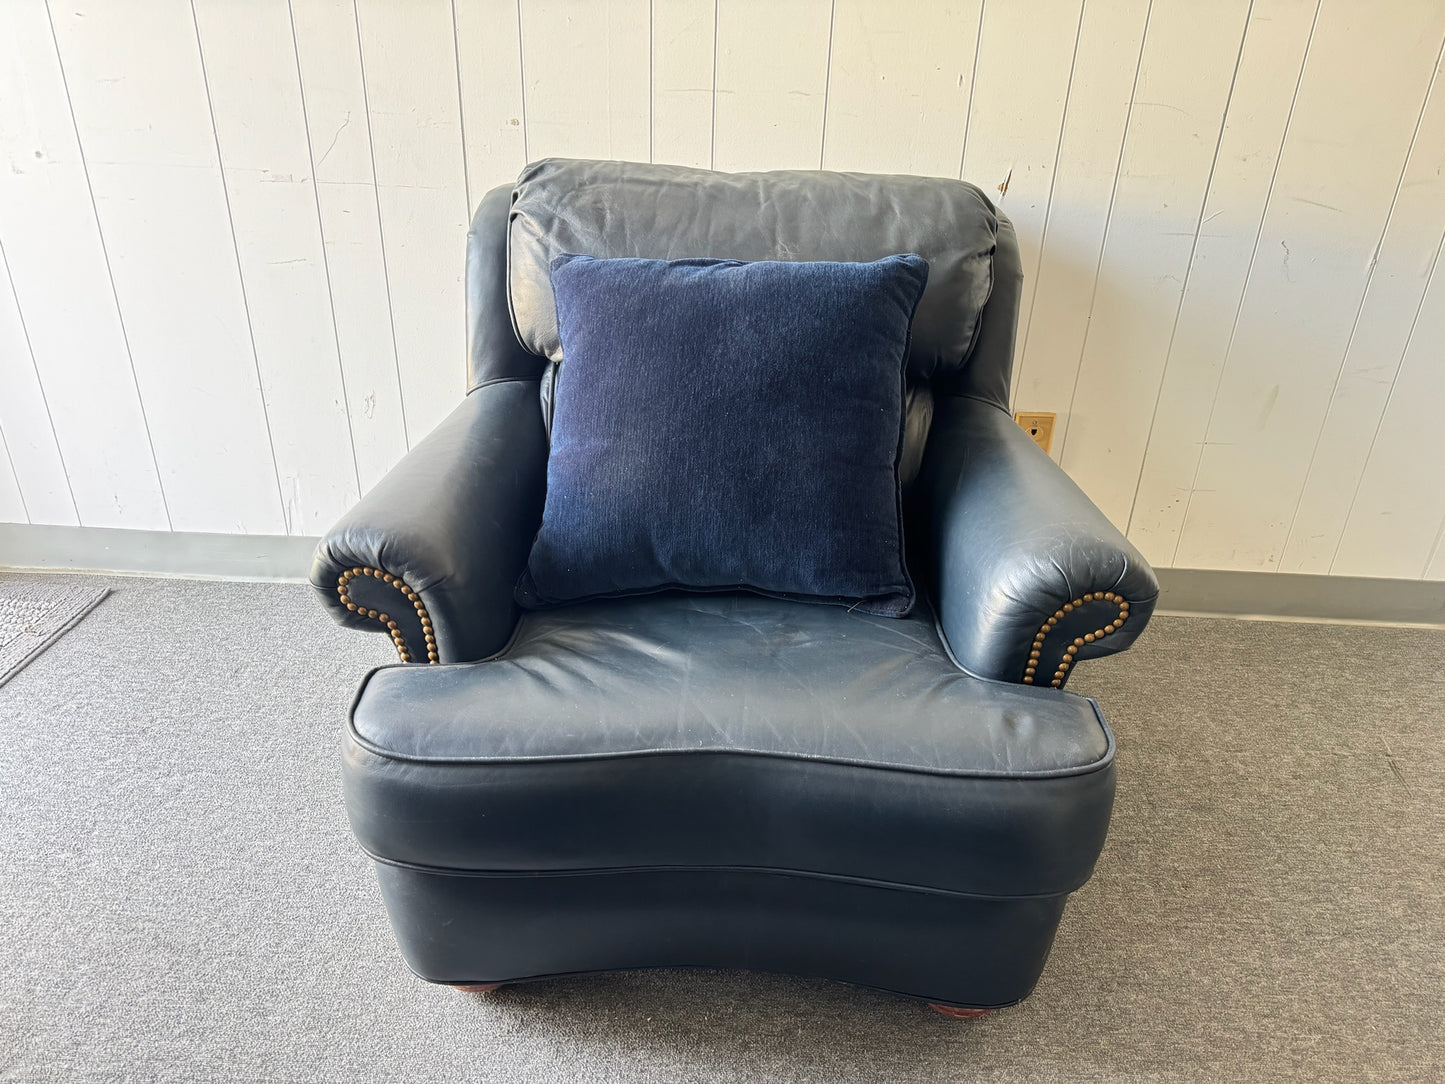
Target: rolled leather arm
1029, 576
432, 553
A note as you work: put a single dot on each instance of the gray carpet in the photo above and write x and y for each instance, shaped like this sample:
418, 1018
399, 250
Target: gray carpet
35, 611
180, 898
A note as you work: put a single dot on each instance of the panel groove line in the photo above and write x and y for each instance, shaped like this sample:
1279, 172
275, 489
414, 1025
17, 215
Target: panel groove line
972, 89
461, 110
325, 256
712, 143
1110, 51
11, 498
1161, 180
1108, 224
1021, 350
522, 67
54, 441
1385, 414
286, 510
381, 222
1248, 277
1347, 144
109, 271
1366, 297
143, 114
827, 83
1189, 266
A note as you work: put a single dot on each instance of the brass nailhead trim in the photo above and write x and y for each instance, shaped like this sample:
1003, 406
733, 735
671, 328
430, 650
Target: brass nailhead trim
411, 596
1031, 667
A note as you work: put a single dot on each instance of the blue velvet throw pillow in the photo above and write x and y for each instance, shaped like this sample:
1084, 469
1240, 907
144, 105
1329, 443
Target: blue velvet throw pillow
723, 426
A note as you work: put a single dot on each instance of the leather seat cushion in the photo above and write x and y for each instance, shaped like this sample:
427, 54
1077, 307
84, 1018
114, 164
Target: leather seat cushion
729, 731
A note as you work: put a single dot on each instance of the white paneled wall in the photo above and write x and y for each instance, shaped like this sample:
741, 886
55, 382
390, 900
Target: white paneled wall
231, 234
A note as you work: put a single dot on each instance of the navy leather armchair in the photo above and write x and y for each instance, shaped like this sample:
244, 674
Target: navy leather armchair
731, 780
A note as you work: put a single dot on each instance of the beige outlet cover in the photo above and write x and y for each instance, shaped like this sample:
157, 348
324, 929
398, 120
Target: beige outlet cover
1039, 425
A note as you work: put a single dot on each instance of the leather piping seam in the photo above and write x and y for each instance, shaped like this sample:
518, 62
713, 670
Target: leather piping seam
1061, 674
774, 871
502, 764
397, 637
493, 381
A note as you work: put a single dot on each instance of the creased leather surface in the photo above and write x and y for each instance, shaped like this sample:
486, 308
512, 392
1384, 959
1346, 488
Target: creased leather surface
730, 730
989, 372
476, 929
1013, 539
454, 519
673, 212
493, 352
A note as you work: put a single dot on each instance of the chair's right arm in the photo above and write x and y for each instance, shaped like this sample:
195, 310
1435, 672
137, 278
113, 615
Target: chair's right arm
432, 553
1030, 577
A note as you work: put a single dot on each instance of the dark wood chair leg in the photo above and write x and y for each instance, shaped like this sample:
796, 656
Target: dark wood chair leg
959, 1013
477, 988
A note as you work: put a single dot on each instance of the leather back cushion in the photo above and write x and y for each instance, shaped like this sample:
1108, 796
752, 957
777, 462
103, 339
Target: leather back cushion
608, 209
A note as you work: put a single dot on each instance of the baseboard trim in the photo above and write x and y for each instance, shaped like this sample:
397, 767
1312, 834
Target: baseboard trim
155, 553
1296, 596
1285, 596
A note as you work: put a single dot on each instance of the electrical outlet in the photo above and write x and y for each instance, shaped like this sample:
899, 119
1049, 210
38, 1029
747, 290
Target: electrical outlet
1040, 426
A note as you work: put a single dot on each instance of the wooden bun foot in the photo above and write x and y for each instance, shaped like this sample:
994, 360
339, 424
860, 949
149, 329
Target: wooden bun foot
959, 1013
477, 988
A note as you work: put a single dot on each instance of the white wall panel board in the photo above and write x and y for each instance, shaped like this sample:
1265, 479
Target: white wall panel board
899, 85
683, 50
139, 95
772, 84
62, 285
1359, 101
252, 75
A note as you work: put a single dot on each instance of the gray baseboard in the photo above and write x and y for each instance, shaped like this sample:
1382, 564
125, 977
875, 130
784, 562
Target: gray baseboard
269, 557
1297, 596
155, 553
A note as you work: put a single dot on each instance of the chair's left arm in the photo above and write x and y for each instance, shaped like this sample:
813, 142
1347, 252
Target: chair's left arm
432, 553
1029, 576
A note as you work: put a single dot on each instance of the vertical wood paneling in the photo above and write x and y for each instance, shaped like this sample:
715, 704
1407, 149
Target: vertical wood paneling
1406, 257
1184, 80
772, 84
261, 132
1269, 70
234, 287
1358, 104
1014, 124
1436, 570
145, 129
339, 132
683, 48
588, 84
1051, 343
63, 287
34, 457
12, 505
1395, 523
489, 67
409, 66
899, 85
